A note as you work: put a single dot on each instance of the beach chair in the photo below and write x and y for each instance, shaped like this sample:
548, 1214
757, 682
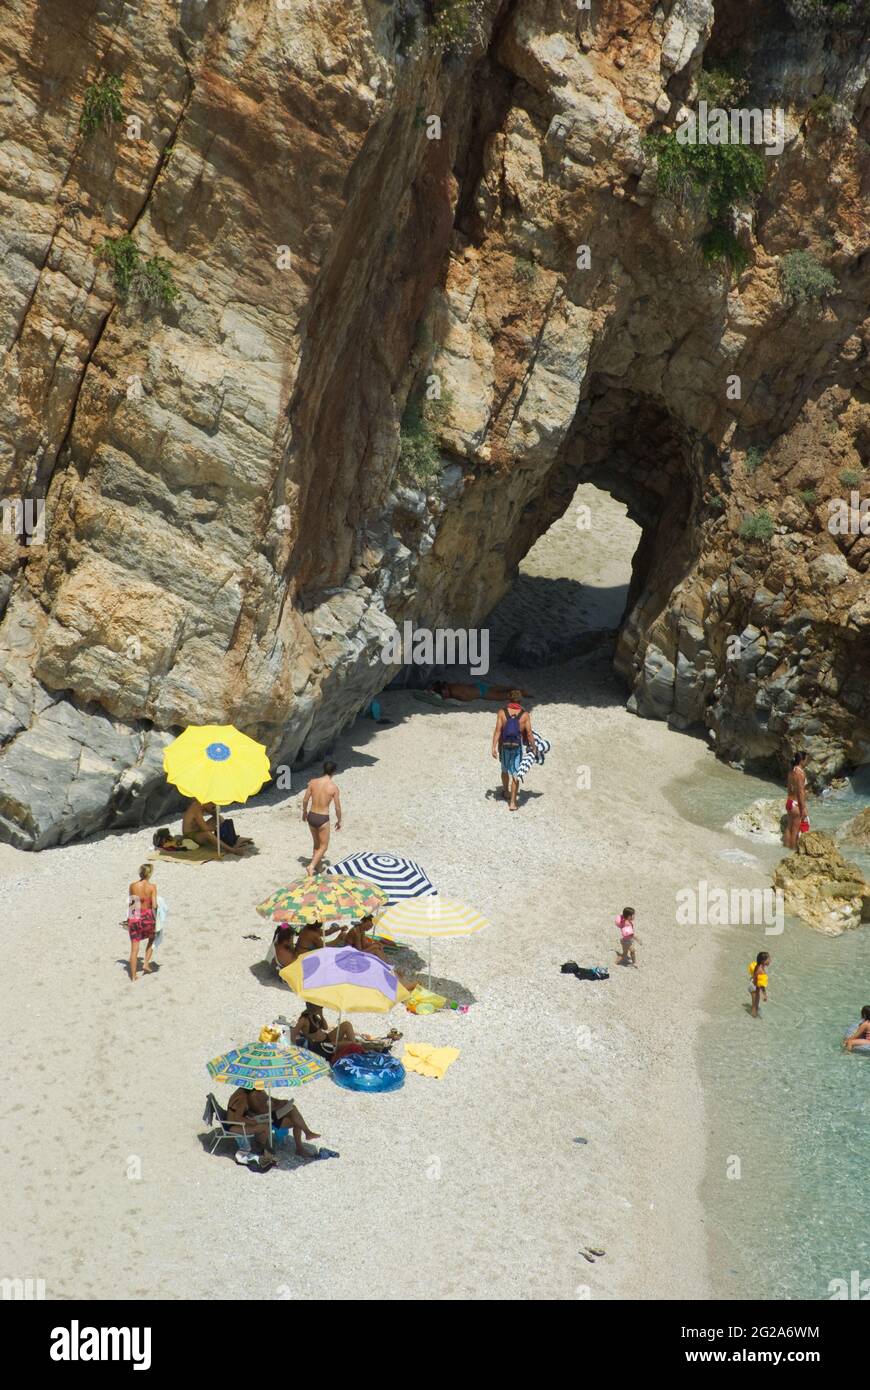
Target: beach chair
216, 1114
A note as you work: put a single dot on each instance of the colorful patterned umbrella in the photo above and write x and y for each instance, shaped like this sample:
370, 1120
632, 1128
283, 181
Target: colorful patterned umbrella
214, 762
429, 917
340, 977
325, 899
400, 878
257, 1066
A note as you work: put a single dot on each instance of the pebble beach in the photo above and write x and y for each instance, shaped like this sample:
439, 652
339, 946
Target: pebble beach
573, 1120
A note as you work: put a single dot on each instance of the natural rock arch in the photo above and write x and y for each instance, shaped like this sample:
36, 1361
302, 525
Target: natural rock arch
231, 540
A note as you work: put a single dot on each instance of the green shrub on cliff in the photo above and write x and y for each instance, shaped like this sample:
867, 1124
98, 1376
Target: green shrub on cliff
722, 85
102, 105
151, 280
851, 477
808, 496
419, 449
758, 527
722, 176
754, 458
450, 29
803, 279
720, 246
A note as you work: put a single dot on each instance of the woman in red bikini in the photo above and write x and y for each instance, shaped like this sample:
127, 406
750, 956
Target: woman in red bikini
142, 918
796, 804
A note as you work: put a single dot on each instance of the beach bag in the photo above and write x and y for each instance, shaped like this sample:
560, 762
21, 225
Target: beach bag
229, 835
586, 972
511, 735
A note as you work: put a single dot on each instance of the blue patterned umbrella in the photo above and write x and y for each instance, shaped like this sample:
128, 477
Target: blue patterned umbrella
399, 878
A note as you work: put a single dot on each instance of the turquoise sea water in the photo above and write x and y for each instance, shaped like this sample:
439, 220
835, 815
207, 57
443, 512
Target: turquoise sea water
786, 1109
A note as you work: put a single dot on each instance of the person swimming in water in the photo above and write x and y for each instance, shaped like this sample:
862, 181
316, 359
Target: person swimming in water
861, 1036
796, 803
758, 973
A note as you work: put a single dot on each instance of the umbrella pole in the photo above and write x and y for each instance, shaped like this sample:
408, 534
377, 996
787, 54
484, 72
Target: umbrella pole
218, 812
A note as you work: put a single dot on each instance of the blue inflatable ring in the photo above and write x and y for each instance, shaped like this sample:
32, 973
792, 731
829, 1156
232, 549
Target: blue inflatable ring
369, 1071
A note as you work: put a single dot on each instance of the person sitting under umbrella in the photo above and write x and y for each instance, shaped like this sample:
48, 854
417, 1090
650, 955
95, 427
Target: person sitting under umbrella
357, 936
287, 950
251, 1109
202, 829
311, 1030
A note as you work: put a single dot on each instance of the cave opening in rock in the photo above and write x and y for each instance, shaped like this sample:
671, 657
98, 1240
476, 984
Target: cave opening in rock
571, 592
606, 542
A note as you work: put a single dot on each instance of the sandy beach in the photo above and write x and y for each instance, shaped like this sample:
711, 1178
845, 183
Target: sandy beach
572, 1118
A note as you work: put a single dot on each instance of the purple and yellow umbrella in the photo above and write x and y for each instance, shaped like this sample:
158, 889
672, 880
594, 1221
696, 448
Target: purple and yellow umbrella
340, 977
337, 898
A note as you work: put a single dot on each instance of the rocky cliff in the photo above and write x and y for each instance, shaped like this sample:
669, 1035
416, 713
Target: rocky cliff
316, 312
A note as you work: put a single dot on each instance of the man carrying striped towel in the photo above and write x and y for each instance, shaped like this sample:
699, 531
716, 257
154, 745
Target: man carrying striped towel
528, 760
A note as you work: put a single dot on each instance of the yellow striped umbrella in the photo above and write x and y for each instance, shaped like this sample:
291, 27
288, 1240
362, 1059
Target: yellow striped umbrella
430, 917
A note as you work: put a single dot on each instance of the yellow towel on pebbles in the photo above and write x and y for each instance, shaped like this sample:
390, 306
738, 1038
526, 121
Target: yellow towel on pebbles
428, 1060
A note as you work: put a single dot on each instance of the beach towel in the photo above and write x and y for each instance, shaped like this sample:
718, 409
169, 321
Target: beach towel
201, 855
529, 759
429, 1060
160, 918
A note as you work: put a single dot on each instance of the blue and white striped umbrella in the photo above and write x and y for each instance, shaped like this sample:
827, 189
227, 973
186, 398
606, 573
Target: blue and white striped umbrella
399, 878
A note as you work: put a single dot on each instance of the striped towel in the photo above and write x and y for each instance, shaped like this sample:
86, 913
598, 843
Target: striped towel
542, 748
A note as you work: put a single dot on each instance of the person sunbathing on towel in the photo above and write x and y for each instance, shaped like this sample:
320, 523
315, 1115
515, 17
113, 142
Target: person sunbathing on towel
251, 1109
202, 829
461, 690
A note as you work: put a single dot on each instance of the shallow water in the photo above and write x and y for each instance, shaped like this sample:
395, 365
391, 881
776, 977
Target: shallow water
786, 1189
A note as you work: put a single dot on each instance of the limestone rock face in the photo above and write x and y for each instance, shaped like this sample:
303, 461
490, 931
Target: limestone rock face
825, 890
763, 820
857, 830
361, 207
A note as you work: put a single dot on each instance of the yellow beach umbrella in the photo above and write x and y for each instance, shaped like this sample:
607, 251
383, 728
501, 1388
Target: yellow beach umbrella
215, 762
430, 917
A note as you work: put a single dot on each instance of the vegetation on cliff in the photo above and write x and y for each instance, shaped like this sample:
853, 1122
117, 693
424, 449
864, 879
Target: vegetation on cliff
148, 280
102, 105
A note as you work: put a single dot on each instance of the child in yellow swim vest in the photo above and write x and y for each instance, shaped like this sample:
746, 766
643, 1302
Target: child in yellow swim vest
758, 973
